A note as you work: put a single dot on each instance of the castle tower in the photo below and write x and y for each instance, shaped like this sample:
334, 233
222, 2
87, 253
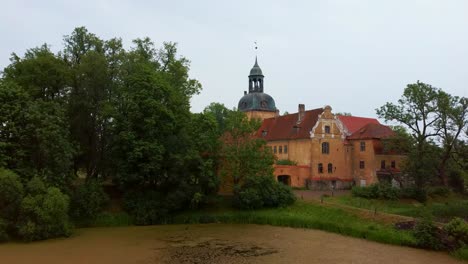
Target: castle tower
256, 103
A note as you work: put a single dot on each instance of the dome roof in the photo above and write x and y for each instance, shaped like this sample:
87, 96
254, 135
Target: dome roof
256, 69
257, 101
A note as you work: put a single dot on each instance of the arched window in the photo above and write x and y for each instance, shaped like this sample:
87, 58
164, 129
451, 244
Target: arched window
320, 168
330, 168
325, 148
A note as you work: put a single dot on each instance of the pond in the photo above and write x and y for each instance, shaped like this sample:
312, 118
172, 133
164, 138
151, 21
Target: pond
211, 243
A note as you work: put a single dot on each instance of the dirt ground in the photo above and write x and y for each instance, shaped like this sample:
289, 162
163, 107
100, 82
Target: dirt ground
212, 243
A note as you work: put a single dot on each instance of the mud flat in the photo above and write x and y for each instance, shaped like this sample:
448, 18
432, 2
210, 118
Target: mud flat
212, 243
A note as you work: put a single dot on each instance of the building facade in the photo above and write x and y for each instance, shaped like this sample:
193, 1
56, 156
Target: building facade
318, 149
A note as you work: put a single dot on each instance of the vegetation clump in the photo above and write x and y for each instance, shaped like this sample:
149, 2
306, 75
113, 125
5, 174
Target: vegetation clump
34, 212
376, 191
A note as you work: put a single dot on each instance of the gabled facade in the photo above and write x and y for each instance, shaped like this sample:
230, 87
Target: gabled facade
327, 150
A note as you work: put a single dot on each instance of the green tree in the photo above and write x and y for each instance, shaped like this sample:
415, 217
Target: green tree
453, 112
242, 154
417, 110
34, 138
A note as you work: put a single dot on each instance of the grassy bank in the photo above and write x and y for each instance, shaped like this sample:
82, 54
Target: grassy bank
442, 209
304, 215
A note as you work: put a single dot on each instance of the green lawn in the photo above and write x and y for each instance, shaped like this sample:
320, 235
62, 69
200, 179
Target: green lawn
442, 209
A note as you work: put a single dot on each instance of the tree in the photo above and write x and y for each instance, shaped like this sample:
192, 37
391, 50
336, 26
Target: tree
453, 112
417, 110
34, 136
242, 154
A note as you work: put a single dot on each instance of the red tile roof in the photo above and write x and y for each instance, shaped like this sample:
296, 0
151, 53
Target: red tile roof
286, 127
371, 131
353, 123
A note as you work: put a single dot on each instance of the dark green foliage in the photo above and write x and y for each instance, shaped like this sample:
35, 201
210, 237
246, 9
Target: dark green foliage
148, 207
456, 181
35, 138
3, 230
11, 195
457, 229
427, 234
438, 191
43, 213
461, 253
419, 194
376, 191
262, 191
87, 201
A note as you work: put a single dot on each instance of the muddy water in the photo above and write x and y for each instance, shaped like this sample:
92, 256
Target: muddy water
211, 243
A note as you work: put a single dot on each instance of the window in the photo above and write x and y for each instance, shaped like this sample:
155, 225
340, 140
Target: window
274, 149
363, 146
382, 164
285, 149
264, 133
325, 148
280, 149
361, 164
320, 168
327, 129
330, 168
393, 164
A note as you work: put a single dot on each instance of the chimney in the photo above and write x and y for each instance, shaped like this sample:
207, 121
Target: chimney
245, 92
300, 113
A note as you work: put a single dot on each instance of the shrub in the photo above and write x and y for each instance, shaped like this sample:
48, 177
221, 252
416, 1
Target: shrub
461, 253
457, 229
3, 230
87, 201
440, 191
426, 234
148, 207
43, 214
376, 191
262, 191
11, 194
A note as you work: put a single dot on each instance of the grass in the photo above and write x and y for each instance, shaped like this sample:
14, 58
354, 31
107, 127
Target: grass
107, 219
441, 209
304, 215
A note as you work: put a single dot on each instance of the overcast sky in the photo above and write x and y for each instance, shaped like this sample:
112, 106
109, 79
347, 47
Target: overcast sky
350, 54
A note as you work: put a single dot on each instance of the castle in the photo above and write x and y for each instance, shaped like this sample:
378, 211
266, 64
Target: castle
321, 149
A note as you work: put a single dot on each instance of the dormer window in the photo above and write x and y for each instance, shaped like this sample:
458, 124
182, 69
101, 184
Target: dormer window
264, 133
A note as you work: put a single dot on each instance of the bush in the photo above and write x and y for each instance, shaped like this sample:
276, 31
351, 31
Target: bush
3, 230
461, 253
440, 191
427, 235
43, 213
11, 194
262, 191
376, 191
457, 229
87, 201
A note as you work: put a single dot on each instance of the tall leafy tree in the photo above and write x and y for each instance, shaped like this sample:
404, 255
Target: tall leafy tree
453, 112
417, 110
35, 137
242, 154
